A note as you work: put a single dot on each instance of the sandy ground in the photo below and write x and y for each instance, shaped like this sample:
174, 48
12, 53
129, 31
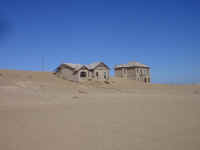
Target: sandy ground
41, 112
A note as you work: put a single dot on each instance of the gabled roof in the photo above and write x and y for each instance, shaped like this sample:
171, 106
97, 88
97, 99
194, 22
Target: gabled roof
94, 65
81, 67
73, 66
77, 67
131, 64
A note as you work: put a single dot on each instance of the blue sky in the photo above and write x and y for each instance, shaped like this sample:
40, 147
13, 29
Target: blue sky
162, 34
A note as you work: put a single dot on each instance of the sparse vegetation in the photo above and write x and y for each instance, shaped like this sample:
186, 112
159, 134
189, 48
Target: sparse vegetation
106, 82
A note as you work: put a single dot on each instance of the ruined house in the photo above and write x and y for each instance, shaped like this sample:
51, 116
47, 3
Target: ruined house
78, 72
133, 71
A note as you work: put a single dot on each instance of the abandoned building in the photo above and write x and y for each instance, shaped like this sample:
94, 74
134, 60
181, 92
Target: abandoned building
134, 71
78, 72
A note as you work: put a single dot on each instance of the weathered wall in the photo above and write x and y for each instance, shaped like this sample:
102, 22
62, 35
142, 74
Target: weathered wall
136, 73
65, 73
80, 78
101, 69
143, 74
122, 73
118, 73
76, 76
131, 73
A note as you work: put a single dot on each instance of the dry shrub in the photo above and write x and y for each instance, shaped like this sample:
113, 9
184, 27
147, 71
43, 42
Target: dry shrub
106, 82
1, 74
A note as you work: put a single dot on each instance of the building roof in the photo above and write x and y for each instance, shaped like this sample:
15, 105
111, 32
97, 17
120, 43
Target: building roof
74, 66
94, 65
77, 67
131, 64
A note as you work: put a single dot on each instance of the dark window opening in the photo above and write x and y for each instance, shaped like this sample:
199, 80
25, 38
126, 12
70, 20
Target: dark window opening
83, 74
104, 75
97, 75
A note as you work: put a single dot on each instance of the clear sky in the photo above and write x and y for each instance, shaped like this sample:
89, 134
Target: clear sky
164, 34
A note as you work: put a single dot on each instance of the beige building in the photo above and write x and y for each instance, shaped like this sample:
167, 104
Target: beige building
134, 71
78, 72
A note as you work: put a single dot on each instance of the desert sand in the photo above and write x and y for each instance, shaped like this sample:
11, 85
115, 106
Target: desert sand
39, 111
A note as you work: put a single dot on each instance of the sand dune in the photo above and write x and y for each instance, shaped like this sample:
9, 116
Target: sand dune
41, 111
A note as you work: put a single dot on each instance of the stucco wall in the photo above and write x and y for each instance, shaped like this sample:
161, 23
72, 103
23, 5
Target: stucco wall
101, 69
131, 73
66, 73
135, 73
118, 73
143, 74
124, 73
83, 79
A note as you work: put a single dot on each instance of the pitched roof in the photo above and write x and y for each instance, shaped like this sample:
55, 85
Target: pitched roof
77, 67
131, 64
94, 65
74, 66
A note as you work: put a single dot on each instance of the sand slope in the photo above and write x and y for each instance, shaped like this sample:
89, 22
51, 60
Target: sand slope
40, 111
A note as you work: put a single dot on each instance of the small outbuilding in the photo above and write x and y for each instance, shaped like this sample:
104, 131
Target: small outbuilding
78, 72
133, 71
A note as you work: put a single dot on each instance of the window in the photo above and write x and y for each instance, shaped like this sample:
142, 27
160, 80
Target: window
83, 74
97, 75
104, 75
145, 80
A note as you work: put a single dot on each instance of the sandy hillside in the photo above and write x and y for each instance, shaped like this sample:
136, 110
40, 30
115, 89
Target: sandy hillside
39, 111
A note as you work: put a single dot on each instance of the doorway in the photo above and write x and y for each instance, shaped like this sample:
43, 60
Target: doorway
97, 75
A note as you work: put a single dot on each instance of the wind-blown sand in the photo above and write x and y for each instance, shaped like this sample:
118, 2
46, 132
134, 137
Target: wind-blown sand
39, 111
